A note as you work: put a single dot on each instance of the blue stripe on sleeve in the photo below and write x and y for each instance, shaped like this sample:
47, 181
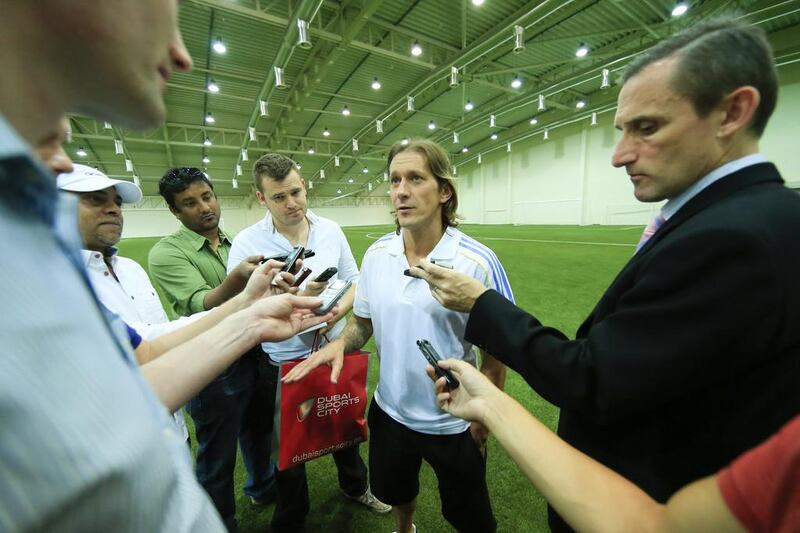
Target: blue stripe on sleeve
498, 273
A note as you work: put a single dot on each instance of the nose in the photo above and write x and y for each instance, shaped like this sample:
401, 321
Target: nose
181, 60
624, 153
401, 189
59, 162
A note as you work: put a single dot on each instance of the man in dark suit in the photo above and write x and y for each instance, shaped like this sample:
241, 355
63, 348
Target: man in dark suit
693, 353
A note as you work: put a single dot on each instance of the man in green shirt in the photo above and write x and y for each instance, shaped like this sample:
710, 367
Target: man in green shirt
190, 267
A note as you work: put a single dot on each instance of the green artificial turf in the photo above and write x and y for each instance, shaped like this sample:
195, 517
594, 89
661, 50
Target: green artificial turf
557, 273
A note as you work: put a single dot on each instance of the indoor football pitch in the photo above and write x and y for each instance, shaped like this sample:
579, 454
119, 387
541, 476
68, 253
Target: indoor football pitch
557, 273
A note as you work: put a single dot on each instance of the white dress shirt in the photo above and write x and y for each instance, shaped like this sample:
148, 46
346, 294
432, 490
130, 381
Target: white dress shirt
134, 299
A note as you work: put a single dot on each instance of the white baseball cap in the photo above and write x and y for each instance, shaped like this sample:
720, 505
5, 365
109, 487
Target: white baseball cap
88, 179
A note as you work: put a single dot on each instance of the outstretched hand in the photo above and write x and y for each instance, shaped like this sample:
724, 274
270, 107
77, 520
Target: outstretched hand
261, 283
471, 399
331, 354
277, 318
454, 290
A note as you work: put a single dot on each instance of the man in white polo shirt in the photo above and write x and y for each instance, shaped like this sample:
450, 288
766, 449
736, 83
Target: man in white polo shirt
406, 424
288, 223
120, 283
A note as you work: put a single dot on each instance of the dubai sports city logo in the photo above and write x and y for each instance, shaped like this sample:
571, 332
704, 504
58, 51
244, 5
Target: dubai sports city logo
325, 405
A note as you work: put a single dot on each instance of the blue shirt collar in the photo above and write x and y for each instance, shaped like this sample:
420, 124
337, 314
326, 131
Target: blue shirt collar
673, 205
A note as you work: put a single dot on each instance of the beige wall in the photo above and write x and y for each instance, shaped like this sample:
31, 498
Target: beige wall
569, 179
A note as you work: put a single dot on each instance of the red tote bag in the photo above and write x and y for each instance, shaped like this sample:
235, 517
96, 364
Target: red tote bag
317, 417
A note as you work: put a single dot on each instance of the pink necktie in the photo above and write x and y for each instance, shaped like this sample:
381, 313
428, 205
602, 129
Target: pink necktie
650, 230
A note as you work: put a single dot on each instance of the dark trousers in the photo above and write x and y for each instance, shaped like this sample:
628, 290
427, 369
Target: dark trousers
231, 408
292, 485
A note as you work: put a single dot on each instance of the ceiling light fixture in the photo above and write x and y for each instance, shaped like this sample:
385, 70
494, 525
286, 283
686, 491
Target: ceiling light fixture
605, 76
404, 142
279, 83
464, 150
516, 82
311, 151
431, 125
453, 76
80, 152
302, 35
365, 170
416, 49
346, 111
212, 86
355, 145
534, 121
234, 183
409, 103
218, 46
477, 3
455, 137
594, 119
210, 118
541, 106
580, 104
376, 84
679, 9
207, 142
493, 136
262, 107
251, 132
469, 106
206, 159
326, 132
582, 50
519, 39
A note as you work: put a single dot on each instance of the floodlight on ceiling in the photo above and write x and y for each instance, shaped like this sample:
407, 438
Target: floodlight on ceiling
455, 137
404, 142
431, 125
80, 152
210, 118
679, 9
218, 46
244, 154
106, 125
534, 121
594, 119
492, 121
365, 170
416, 49
310, 185
207, 142
234, 183
262, 108
322, 173
349, 180
546, 134
582, 50
409, 103
477, 3
251, 132
469, 106
480, 158
238, 170
453, 76
516, 82
508, 147
541, 106
376, 84
302, 35
355, 145
580, 104
465, 150
326, 132
118, 148
212, 86
378, 126
336, 160
279, 82
206, 159
128, 165
311, 151
338, 191
346, 111
493, 136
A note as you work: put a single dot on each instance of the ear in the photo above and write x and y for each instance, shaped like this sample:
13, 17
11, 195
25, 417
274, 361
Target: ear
445, 193
738, 108
261, 198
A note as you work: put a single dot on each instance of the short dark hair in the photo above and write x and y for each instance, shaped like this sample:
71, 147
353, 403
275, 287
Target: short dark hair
273, 166
439, 163
179, 179
715, 58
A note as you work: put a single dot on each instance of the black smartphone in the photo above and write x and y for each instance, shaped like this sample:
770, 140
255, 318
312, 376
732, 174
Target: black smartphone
327, 274
332, 294
282, 257
291, 259
301, 276
433, 359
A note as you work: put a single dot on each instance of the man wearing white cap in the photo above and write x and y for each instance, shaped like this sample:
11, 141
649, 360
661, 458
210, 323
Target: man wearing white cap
120, 283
